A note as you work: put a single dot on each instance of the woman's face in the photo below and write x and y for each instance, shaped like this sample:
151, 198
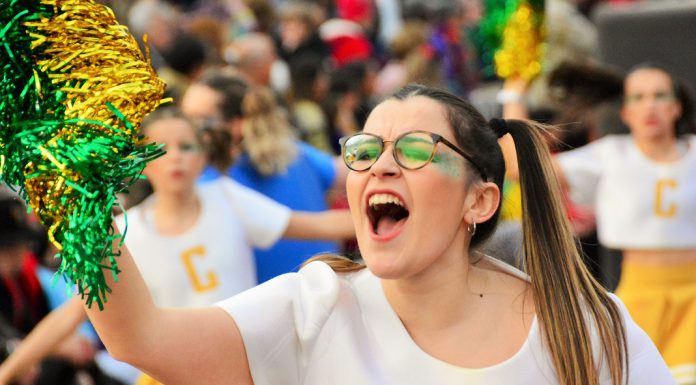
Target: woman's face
176, 171
434, 197
650, 107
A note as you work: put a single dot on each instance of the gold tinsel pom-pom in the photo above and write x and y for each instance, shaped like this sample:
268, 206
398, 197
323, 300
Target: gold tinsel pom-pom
87, 89
523, 45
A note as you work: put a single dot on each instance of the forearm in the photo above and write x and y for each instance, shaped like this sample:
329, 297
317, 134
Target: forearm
511, 98
128, 311
332, 225
177, 346
43, 339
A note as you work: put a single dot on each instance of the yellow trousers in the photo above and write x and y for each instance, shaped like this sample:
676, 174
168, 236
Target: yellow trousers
662, 301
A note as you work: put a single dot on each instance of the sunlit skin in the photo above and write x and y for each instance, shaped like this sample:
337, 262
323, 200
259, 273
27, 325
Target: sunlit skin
423, 191
650, 107
426, 270
435, 234
173, 176
177, 170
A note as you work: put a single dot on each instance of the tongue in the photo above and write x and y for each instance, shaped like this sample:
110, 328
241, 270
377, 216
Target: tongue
387, 225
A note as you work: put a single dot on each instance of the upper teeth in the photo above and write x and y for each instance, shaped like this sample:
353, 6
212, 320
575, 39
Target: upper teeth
380, 199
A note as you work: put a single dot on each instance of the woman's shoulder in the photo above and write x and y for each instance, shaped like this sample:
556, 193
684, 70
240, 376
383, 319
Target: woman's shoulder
329, 275
316, 281
308, 297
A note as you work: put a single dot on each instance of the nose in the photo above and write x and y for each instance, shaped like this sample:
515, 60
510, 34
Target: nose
386, 165
652, 101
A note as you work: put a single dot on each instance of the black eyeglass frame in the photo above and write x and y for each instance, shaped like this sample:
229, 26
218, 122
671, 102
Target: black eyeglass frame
435, 138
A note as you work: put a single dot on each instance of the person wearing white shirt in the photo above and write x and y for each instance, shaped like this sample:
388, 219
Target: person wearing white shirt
424, 189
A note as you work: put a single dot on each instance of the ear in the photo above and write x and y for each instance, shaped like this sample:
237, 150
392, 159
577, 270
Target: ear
481, 202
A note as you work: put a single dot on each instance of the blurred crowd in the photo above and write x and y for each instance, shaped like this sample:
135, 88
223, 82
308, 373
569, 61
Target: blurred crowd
270, 86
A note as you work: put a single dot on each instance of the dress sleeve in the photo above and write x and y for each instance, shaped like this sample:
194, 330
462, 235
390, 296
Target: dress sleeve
645, 364
582, 168
264, 219
280, 320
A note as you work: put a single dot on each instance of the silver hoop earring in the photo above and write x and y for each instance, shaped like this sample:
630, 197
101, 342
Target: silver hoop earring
471, 228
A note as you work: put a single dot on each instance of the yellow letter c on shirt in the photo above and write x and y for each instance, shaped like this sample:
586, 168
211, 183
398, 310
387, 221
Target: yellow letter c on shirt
196, 280
662, 208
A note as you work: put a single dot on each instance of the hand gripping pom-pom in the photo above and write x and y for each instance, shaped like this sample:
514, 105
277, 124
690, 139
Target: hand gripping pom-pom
75, 88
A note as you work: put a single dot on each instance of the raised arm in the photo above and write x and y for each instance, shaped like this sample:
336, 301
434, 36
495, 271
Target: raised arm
511, 98
175, 346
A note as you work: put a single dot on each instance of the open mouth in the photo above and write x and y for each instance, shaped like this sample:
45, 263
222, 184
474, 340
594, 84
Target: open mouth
387, 214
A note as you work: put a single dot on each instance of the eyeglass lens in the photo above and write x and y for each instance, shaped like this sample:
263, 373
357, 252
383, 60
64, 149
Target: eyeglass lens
412, 151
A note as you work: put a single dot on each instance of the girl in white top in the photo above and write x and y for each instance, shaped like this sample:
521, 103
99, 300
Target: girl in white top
213, 258
426, 310
192, 243
643, 188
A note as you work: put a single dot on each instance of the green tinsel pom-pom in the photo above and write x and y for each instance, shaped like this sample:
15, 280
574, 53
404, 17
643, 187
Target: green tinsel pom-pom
74, 90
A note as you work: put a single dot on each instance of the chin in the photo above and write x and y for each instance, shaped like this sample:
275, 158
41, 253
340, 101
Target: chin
385, 266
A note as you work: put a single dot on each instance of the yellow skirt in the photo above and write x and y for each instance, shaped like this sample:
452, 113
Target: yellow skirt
662, 301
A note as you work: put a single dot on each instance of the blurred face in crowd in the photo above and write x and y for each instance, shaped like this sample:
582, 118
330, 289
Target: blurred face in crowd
293, 31
202, 105
650, 107
410, 221
176, 171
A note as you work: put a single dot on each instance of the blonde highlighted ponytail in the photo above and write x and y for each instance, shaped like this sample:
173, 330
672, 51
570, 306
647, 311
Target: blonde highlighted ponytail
568, 298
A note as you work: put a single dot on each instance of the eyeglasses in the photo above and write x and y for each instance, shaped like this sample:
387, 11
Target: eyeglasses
662, 97
411, 150
185, 147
